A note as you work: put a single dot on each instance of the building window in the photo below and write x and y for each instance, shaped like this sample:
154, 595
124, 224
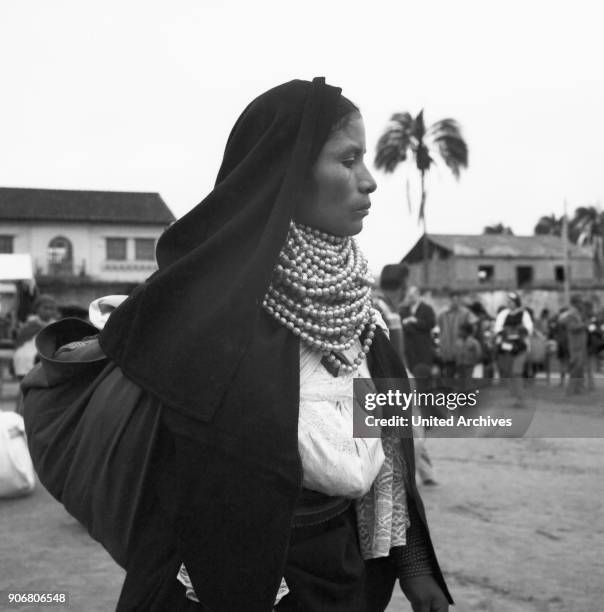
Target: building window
116, 249
524, 275
486, 274
144, 249
559, 274
6, 244
60, 256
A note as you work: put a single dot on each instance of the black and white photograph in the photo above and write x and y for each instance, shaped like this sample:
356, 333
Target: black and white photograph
301, 306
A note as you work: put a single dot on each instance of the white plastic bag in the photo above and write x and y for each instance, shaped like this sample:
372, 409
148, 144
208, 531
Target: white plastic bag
16, 469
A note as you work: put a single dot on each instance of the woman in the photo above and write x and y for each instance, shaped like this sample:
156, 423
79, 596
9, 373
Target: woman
44, 313
243, 307
513, 326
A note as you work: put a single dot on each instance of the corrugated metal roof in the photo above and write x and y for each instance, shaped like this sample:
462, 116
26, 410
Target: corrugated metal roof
501, 245
21, 204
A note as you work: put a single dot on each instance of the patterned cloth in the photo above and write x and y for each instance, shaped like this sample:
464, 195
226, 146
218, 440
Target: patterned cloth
183, 578
382, 514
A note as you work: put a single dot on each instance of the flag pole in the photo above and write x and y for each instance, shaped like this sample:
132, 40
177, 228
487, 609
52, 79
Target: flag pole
565, 254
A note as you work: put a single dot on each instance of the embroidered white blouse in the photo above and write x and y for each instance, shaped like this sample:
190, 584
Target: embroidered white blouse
333, 462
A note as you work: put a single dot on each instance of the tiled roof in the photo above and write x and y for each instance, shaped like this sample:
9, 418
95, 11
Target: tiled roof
19, 204
498, 245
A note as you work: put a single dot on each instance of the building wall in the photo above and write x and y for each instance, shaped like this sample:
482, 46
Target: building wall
441, 273
466, 269
462, 272
89, 250
129, 270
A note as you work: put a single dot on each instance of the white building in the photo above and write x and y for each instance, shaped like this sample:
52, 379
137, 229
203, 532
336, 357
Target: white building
104, 236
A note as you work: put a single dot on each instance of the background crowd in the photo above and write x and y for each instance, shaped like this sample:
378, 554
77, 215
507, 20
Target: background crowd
464, 340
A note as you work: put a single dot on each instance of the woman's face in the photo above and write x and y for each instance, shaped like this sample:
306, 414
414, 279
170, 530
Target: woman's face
338, 198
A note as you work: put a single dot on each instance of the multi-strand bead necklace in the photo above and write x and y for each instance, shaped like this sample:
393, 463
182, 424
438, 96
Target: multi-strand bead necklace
320, 291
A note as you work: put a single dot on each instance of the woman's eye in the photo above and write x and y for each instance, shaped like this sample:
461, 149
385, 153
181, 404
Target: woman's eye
349, 163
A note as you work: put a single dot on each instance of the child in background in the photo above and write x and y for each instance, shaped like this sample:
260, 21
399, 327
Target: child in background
44, 313
467, 354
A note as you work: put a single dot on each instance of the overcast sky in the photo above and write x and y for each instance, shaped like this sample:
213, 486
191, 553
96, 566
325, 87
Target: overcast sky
141, 95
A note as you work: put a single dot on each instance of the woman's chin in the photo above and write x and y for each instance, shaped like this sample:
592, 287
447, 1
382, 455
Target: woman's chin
351, 227
356, 227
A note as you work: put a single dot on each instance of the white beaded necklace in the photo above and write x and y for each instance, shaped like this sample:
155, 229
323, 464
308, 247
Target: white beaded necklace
320, 290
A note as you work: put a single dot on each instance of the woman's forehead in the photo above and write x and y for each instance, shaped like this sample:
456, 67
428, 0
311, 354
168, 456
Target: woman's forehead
350, 137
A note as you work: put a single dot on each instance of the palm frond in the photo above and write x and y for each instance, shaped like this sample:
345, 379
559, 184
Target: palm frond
587, 222
445, 127
447, 137
394, 142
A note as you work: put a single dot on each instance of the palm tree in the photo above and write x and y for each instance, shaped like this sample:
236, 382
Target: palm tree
406, 135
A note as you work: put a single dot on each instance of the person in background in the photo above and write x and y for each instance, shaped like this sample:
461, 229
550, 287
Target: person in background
449, 323
530, 368
513, 326
27, 294
44, 312
576, 330
559, 335
594, 344
418, 319
467, 354
542, 323
484, 334
387, 300
542, 346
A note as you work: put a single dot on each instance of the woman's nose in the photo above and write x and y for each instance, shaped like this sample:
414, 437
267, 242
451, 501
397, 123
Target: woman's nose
367, 183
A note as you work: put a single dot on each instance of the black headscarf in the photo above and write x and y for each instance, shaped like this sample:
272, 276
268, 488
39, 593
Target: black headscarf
182, 334
196, 337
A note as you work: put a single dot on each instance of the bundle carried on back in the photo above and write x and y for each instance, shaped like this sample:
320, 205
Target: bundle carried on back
91, 434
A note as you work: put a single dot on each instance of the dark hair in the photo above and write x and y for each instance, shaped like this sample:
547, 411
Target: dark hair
393, 276
345, 111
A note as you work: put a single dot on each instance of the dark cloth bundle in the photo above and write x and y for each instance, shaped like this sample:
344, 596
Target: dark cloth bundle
91, 434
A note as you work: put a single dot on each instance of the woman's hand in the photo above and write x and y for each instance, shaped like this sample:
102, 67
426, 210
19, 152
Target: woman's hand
424, 594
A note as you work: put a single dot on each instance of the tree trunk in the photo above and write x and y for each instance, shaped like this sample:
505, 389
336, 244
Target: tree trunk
425, 245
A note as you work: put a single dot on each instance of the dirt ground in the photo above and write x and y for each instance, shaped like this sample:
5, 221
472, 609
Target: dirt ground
518, 524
